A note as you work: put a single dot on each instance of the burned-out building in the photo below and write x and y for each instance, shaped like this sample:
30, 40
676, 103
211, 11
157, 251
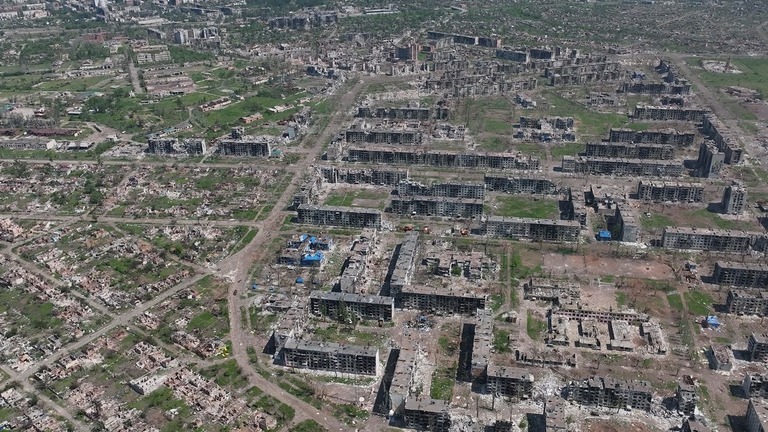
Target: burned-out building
724, 140
630, 150
756, 419
237, 144
351, 217
658, 191
521, 185
478, 354
621, 167
610, 393
332, 357
720, 357
556, 291
384, 134
747, 302
715, 240
685, 396
750, 275
343, 306
172, 145
668, 113
442, 189
554, 415
734, 199
678, 87
509, 382
710, 160
441, 301
418, 113
532, 229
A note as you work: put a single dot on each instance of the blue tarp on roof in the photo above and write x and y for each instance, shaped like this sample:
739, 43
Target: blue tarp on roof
712, 321
604, 235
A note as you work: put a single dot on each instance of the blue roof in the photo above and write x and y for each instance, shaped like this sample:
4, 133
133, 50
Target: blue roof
300, 280
313, 239
712, 320
605, 234
302, 237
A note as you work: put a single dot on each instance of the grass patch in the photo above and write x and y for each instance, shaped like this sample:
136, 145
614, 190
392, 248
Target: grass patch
675, 302
308, 426
349, 414
500, 340
567, 149
699, 303
515, 206
656, 221
442, 383
754, 76
227, 374
202, 321
535, 327
447, 345
621, 298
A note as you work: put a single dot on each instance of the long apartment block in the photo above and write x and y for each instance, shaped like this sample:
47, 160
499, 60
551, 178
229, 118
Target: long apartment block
445, 189
747, 302
621, 167
725, 141
447, 159
340, 305
508, 381
398, 113
630, 150
680, 87
405, 263
384, 135
482, 338
389, 177
350, 217
668, 113
611, 393
600, 316
245, 146
521, 185
442, 301
330, 357
715, 240
532, 229
437, 206
751, 275
670, 191
670, 136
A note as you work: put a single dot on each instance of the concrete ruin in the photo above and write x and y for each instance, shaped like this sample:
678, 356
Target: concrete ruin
405, 263
559, 292
756, 419
734, 199
427, 415
331, 357
657, 191
406, 134
340, 305
678, 87
720, 357
443, 189
437, 206
554, 415
172, 145
757, 346
348, 217
238, 144
724, 140
610, 393
621, 167
509, 382
710, 160
441, 301
685, 396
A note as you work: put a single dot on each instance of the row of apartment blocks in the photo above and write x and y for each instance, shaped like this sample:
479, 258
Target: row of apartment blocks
670, 136
630, 150
621, 167
444, 189
547, 230
678, 87
436, 158
667, 191
521, 185
362, 133
476, 85
437, 206
404, 113
715, 240
668, 113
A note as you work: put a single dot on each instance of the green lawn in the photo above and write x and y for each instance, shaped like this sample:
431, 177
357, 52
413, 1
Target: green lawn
754, 76
699, 303
675, 302
500, 341
656, 221
567, 149
535, 327
442, 383
308, 426
515, 206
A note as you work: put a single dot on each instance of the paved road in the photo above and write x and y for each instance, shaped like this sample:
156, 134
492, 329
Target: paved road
128, 220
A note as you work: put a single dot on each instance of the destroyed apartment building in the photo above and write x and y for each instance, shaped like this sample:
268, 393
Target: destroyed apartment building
610, 393
238, 144
330, 357
715, 240
725, 140
669, 136
659, 191
405, 264
747, 302
349, 217
419, 113
685, 396
756, 419
341, 306
388, 177
521, 185
621, 167
556, 291
755, 385
441, 158
546, 129
668, 113
172, 145
362, 132
440, 199
547, 230
445, 300
626, 150
509, 382
710, 160
757, 347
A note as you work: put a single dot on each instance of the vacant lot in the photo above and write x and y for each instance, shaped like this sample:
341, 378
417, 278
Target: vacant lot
514, 206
